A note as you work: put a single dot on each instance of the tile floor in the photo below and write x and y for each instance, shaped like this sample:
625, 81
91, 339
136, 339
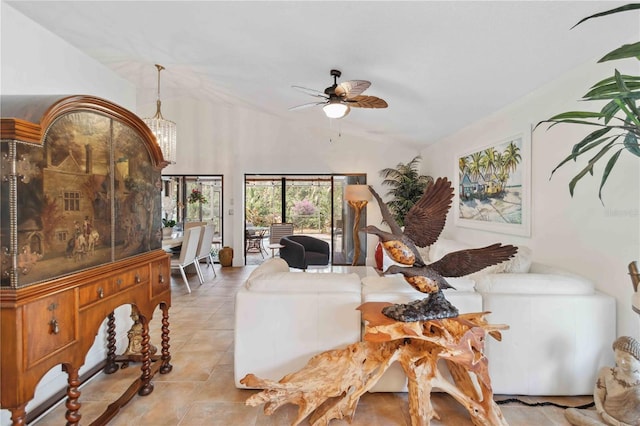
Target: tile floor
200, 389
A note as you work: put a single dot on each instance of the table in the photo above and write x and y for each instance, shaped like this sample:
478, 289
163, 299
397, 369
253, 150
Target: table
274, 247
344, 375
173, 242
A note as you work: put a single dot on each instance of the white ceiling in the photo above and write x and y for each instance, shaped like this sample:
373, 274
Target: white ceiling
440, 65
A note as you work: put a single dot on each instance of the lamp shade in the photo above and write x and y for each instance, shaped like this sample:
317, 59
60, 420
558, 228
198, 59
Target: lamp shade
357, 193
335, 110
164, 130
165, 133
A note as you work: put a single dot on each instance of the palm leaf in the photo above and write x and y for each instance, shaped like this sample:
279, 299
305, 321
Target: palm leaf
609, 12
630, 111
605, 175
631, 144
589, 167
583, 150
609, 111
590, 138
610, 87
623, 52
575, 115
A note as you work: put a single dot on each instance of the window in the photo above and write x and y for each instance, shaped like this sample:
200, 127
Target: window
176, 205
71, 201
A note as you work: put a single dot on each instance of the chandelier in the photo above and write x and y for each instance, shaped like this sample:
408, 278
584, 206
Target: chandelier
164, 130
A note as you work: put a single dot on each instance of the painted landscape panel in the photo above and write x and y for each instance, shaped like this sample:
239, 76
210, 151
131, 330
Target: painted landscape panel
88, 196
492, 187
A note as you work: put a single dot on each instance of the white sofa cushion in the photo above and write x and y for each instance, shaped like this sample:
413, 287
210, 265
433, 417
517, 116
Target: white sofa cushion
444, 246
304, 282
269, 266
555, 344
537, 284
275, 276
276, 333
520, 263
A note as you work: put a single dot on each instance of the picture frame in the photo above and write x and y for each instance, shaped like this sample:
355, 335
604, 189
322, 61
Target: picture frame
493, 186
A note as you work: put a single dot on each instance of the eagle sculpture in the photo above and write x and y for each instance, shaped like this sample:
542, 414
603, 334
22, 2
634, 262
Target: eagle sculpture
423, 224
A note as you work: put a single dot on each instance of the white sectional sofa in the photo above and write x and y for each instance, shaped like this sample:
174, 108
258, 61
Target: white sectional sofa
283, 318
560, 332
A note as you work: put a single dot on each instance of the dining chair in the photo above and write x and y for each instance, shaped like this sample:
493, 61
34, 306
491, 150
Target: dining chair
188, 253
204, 251
188, 225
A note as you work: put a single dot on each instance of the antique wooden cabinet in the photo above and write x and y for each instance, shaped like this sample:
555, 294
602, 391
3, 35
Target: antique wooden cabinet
80, 235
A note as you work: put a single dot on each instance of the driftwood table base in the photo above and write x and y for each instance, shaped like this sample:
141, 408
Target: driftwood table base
331, 384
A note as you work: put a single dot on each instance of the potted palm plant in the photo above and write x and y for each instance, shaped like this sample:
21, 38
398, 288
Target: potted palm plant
617, 124
406, 187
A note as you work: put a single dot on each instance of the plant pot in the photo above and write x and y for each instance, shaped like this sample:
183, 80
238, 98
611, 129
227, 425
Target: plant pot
166, 232
225, 255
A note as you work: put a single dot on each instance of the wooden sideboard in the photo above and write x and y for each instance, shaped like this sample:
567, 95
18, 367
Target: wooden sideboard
80, 235
56, 323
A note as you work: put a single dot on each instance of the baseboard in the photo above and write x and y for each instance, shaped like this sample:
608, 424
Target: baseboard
55, 399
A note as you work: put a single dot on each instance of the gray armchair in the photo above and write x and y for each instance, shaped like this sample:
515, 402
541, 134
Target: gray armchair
300, 251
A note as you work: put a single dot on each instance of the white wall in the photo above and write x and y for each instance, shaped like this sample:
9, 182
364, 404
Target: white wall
34, 61
37, 62
234, 141
579, 233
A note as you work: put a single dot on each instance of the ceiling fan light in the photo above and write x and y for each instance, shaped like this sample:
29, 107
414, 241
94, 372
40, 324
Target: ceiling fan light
335, 110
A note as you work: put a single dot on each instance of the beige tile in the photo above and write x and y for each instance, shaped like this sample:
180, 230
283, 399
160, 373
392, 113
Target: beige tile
193, 366
203, 413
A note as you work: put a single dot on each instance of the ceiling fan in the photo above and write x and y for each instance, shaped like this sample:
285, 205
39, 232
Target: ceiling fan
338, 99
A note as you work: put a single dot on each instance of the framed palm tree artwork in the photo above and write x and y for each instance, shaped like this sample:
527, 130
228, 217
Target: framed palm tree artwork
493, 186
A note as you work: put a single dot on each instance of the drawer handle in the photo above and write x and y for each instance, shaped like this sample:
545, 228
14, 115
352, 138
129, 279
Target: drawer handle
54, 328
100, 293
138, 279
119, 282
161, 279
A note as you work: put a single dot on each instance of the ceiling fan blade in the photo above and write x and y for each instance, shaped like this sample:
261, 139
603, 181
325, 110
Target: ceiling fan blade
311, 92
366, 102
303, 106
351, 88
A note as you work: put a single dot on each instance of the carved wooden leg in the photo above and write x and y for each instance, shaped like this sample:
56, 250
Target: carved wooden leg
73, 394
146, 387
19, 415
111, 366
166, 355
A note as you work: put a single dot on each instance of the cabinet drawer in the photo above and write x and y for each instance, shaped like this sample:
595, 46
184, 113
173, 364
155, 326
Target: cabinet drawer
94, 292
131, 277
49, 325
160, 277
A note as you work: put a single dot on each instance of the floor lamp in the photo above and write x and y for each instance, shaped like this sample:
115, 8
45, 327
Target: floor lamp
357, 196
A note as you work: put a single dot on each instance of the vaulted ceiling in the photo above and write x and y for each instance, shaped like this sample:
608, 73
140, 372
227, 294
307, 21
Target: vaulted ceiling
440, 65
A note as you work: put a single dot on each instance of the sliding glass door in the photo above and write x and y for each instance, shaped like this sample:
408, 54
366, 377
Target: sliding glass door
314, 204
